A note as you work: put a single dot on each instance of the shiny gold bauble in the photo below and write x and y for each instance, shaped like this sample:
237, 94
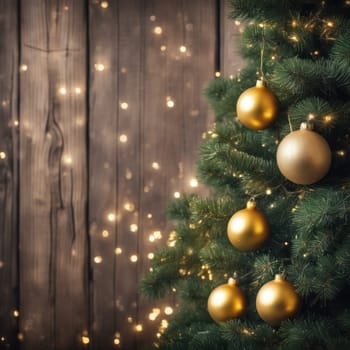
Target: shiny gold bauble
257, 107
248, 228
277, 300
304, 156
227, 302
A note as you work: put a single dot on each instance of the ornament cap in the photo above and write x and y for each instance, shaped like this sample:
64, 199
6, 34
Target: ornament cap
233, 281
260, 83
280, 277
251, 204
306, 126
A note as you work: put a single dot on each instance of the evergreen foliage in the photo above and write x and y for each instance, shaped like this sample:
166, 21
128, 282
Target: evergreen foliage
307, 65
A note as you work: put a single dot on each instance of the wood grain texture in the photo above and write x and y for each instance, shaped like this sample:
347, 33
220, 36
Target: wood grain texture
103, 165
231, 61
53, 239
8, 173
130, 88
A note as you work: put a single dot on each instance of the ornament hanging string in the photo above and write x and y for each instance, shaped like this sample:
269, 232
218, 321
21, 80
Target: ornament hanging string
281, 269
262, 51
290, 123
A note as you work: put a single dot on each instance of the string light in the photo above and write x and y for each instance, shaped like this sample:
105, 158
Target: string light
154, 314
104, 4
152, 18
67, 159
62, 90
134, 258
217, 74
118, 251
138, 328
16, 313
327, 118
164, 324
168, 310
155, 165
158, 30
99, 67
116, 341
105, 234
23, 68
177, 194
182, 49
194, 182
124, 105
134, 228
77, 90
169, 102
149, 216
128, 174
157, 234
268, 191
163, 48
129, 207
98, 259
2, 155
85, 339
111, 217
123, 138
150, 256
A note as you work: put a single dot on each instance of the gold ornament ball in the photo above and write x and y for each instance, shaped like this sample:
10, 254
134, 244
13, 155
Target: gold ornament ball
304, 156
277, 300
226, 302
248, 228
257, 107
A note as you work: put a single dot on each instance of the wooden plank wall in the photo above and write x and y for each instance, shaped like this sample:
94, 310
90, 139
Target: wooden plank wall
231, 61
102, 114
8, 172
53, 178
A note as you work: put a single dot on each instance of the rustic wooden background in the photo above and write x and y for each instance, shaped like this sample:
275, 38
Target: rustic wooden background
101, 117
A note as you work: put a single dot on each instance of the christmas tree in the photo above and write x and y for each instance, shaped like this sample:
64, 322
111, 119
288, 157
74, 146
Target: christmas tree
277, 221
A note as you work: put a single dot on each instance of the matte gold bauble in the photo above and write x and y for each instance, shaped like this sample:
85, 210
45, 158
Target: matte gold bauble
277, 300
248, 228
304, 156
257, 107
227, 302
